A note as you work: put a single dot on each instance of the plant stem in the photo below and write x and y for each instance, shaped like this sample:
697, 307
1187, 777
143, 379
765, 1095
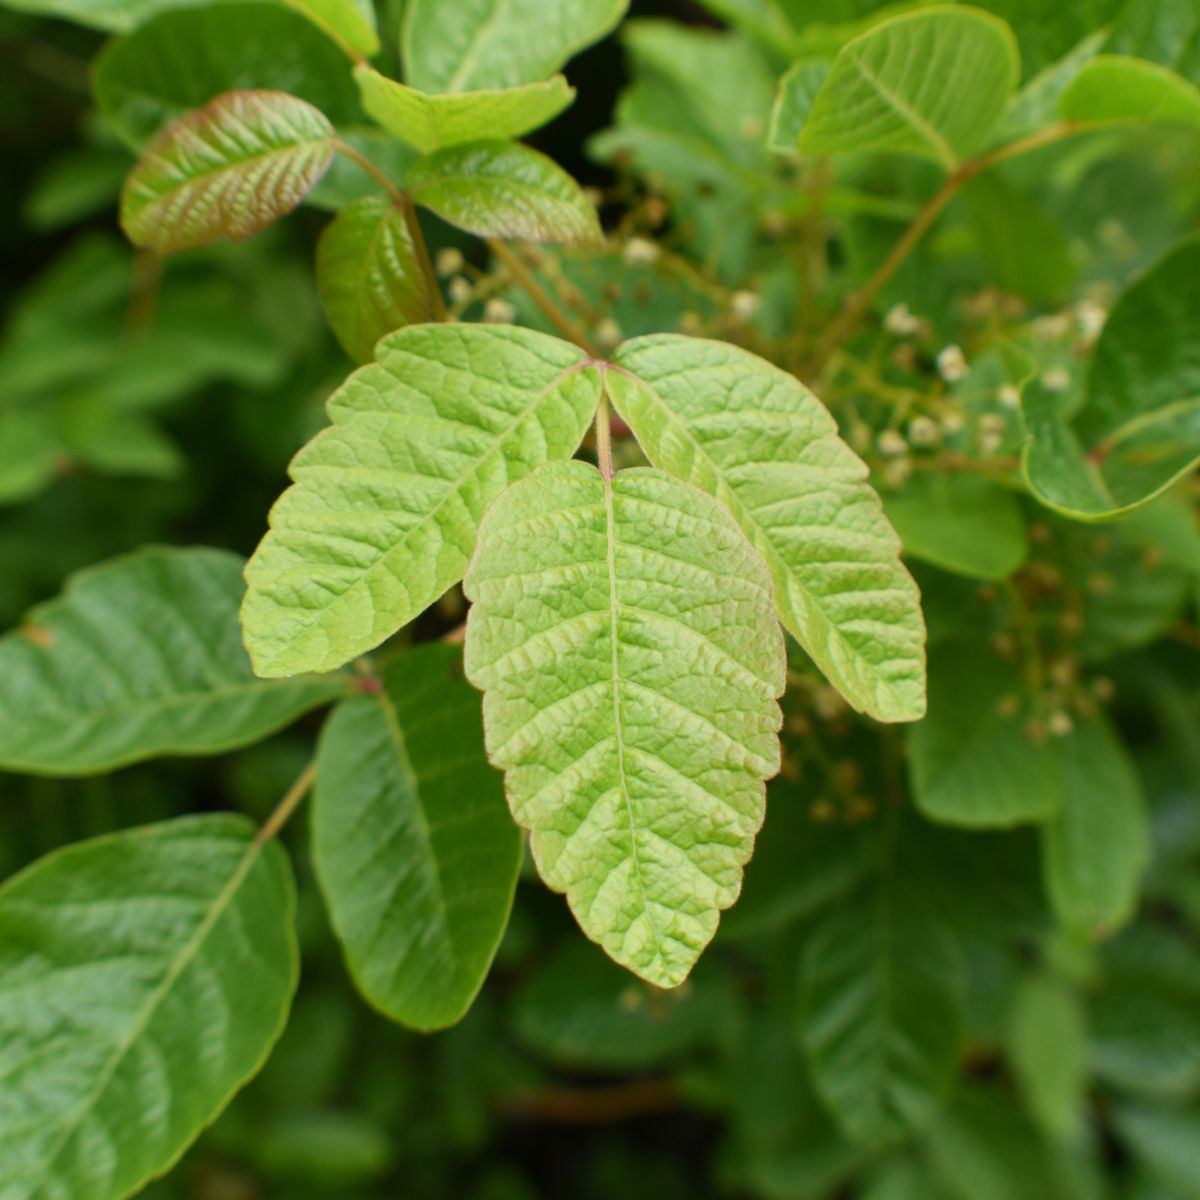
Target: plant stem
604, 459
542, 298
859, 302
288, 805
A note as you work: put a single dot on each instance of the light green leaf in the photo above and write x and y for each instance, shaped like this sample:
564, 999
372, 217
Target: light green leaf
138, 657
972, 760
504, 190
227, 170
1038, 103
1165, 31
797, 90
1167, 1141
369, 276
478, 44
1096, 847
29, 452
181, 60
934, 83
413, 845
960, 523
624, 636
431, 121
1111, 88
765, 20
881, 1013
761, 443
1048, 1051
1138, 430
144, 978
386, 504
115, 15
350, 23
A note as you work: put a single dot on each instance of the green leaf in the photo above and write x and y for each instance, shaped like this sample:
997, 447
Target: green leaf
227, 170
144, 978
1038, 103
624, 636
1166, 31
29, 452
1111, 88
972, 761
140, 656
351, 23
933, 83
1048, 1050
797, 90
479, 44
504, 190
386, 504
412, 842
181, 60
961, 523
1139, 427
1167, 1141
369, 276
881, 1010
115, 15
761, 443
1095, 848
431, 121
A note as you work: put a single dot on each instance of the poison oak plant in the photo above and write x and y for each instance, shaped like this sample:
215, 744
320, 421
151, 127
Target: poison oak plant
840, 258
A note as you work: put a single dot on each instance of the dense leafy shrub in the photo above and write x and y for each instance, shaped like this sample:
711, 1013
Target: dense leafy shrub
842, 435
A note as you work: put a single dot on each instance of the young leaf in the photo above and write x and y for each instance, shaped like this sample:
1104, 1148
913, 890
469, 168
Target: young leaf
1111, 88
972, 760
227, 170
369, 276
933, 83
144, 977
429, 122
881, 1018
761, 443
1139, 428
412, 842
181, 60
350, 23
386, 503
479, 44
1097, 845
797, 90
624, 636
504, 190
138, 657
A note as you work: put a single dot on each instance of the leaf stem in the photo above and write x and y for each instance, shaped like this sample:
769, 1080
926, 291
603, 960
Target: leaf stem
288, 805
604, 458
858, 303
542, 298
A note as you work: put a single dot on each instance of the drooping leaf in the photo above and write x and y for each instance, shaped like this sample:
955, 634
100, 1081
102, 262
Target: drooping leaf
1138, 430
1112, 88
972, 760
1097, 845
386, 503
144, 977
504, 190
797, 90
181, 60
432, 121
960, 523
934, 83
624, 637
140, 656
369, 276
478, 44
881, 1010
351, 23
413, 844
761, 443
227, 170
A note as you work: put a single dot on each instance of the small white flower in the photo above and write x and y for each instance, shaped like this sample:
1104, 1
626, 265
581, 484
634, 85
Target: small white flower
891, 443
1056, 379
449, 261
461, 290
744, 305
499, 312
1052, 328
1010, 396
640, 250
608, 334
923, 431
953, 422
951, 364
1090, 317
900, 321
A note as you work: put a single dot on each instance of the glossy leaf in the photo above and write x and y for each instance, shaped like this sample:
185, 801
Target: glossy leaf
431, 121
624, 637
478, 44
413, 844
504, 190
351, 23
933, 83
144, 977
139, 657
386, 503
227, 170
1112, 88
369, 276
881, 1022
761, 443
1138, 430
